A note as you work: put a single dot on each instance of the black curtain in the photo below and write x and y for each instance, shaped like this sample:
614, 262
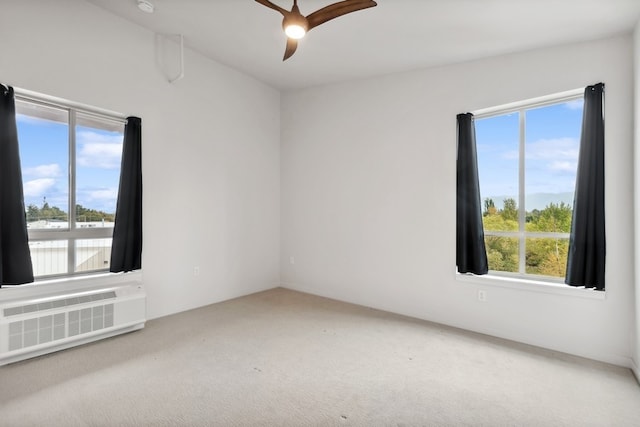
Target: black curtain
587, 248
126, 251
471, 255
15, 258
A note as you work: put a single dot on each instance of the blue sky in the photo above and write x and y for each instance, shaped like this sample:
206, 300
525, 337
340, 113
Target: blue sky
45, 163
552, 141
552, 144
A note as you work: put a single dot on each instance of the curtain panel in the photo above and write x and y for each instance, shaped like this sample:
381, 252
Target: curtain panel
587, 242
471, 254
15, 257
126, 251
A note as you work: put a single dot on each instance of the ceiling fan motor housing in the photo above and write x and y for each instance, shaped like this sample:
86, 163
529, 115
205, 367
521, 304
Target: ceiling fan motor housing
295, 19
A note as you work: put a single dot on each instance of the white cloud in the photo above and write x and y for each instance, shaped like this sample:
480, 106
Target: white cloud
43, 171
103, 194
564, 166
102, 199
99, 150
38, 187
554, 149
510, 155
576, 104
88, 137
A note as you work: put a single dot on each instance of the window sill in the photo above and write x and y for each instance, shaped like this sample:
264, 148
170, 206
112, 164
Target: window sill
531, 286
63, 284
86, 277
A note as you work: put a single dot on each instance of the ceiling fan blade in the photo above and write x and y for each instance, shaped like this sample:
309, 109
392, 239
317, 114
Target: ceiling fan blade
292, 45
336, 10
270, 5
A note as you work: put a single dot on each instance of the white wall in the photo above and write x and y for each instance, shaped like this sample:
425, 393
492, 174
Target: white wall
366, 170
636, 72
368, 196
210, 145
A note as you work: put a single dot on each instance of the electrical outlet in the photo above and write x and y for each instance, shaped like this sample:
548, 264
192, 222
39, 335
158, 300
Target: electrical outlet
292, 260
196, 271
482, 295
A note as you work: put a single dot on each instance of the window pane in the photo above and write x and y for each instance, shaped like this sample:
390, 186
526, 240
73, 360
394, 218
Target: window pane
44, 154
60, 179
551, 160
548, 154
502, 253
497, 140
49, 257
547, 256
92, 254
98, 156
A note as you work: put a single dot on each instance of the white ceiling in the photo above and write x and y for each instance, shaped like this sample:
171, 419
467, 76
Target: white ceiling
397, 35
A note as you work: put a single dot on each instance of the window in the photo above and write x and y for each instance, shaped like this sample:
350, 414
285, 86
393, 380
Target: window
70, 159
527, 164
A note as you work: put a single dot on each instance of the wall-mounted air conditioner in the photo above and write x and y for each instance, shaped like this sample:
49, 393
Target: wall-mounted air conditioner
32, 326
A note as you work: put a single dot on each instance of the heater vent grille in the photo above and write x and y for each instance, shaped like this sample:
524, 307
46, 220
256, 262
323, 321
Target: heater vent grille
53, 327
33, 323
58, 303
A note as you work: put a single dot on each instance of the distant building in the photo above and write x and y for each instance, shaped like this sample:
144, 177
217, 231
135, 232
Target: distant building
51, 257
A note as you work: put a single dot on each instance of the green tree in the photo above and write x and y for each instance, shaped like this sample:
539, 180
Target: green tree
33, 213
548, 256
496, 222
502, 253
545, 256
532, 216
489, 207
556, 262
555, 218
52, 213
91, 215
509, 210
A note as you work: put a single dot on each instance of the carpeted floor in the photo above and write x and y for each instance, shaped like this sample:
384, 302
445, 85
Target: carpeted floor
283, 358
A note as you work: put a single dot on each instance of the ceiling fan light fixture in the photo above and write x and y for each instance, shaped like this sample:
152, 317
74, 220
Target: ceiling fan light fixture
295, 27
295, 31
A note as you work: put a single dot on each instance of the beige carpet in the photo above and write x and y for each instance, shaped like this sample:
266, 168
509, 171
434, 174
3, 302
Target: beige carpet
282, 358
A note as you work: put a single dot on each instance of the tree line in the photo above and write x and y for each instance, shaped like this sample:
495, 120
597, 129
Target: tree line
53, 213
543, 255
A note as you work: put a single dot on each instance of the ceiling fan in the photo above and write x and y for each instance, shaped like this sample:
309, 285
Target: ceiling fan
296, 25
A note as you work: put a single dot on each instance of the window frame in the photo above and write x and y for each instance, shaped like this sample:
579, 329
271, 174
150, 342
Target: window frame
520, 107
71, 234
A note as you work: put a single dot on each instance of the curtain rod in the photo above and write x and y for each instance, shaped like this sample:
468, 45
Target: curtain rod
533, 102
28, 95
